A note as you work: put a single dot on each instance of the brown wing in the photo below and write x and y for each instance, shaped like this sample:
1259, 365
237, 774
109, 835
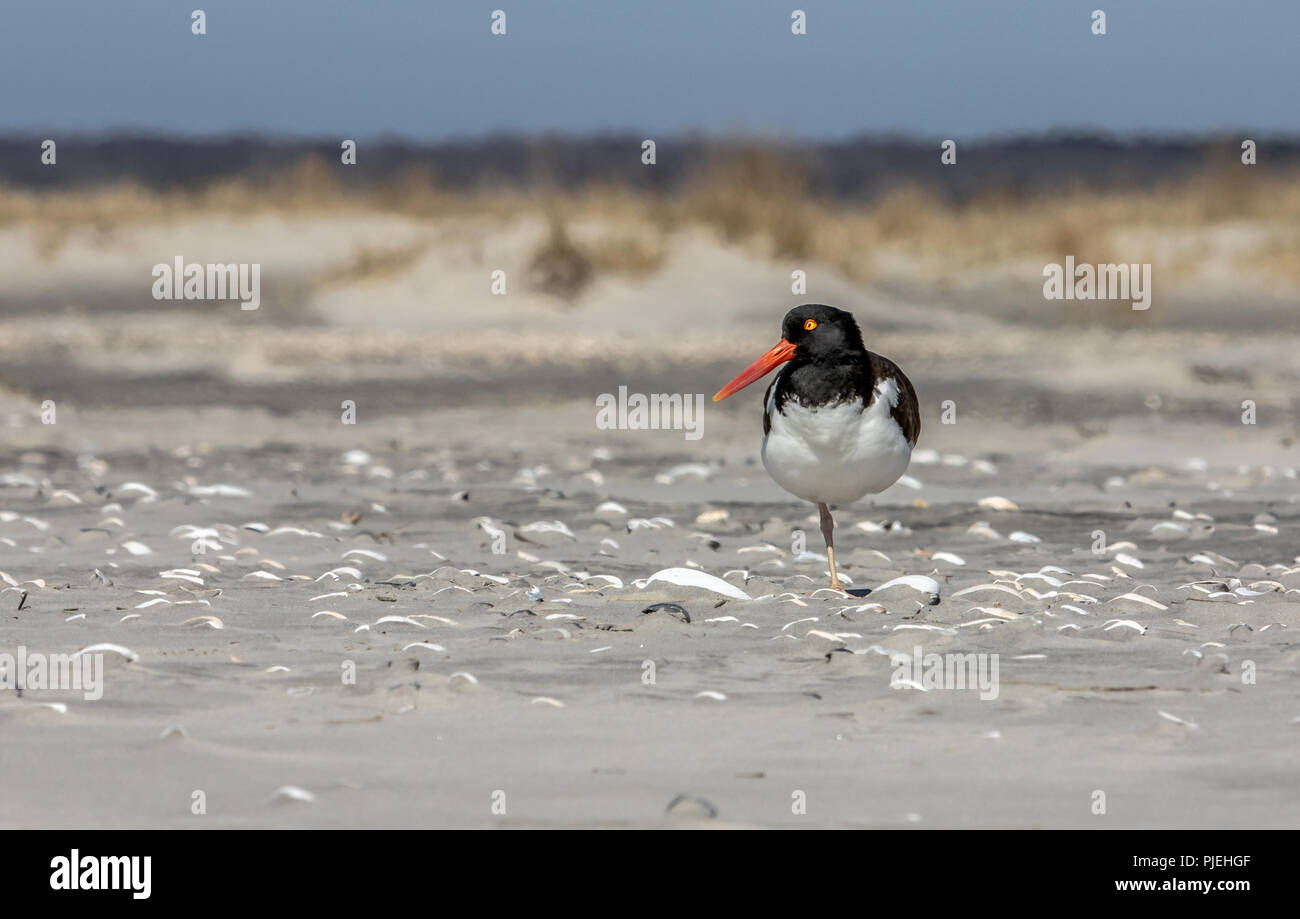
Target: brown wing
908, 410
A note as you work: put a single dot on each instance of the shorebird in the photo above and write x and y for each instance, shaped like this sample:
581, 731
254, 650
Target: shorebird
839, 421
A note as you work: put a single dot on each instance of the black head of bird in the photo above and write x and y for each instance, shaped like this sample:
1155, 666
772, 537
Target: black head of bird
812, 332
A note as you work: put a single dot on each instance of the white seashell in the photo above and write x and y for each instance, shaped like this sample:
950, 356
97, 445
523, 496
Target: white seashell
698, 470
296, 531
818, 633
918, 582
211, 622
292, 793
1138, 598
994, 611
105, 646
641, 523
543, 526
368, 553
862, 608
334, 574
1126, 624
998, 503
607, 578
1176, 720
405, 620
149, 493
189, 531
689, 577
220, 491
896, 658
443, 619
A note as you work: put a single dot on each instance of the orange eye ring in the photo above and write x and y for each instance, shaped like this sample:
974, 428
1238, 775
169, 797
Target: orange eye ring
809, 325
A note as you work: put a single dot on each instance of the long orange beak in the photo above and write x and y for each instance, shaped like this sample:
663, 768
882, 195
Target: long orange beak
783, 352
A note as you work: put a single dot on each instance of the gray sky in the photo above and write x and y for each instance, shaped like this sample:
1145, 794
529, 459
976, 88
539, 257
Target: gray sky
429, 69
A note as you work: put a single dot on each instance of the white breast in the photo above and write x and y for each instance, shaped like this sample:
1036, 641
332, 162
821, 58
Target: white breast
836, 453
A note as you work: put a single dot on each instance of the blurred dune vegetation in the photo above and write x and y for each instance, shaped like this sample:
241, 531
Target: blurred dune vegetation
766, 197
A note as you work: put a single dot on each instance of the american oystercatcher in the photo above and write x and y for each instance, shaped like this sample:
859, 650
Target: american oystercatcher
839, 421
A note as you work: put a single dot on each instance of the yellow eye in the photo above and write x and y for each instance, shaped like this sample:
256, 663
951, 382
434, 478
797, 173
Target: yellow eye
810, 324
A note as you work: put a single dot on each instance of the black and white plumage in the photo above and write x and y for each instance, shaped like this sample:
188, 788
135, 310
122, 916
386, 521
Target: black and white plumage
839, 421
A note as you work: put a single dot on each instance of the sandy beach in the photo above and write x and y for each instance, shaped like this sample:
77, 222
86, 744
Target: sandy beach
445, 613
